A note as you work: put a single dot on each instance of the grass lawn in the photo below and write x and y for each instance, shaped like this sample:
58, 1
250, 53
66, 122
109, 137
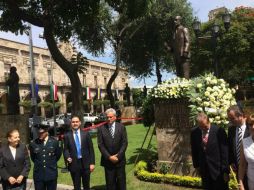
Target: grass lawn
136, 134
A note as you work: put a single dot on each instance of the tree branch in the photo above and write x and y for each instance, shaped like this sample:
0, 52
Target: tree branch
22, 15
55, 52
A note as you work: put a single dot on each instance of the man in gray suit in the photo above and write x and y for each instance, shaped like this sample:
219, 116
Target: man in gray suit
112, 142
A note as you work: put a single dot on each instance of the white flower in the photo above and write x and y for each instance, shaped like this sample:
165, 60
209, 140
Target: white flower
214, 81
199, 109
199, 85
207, 93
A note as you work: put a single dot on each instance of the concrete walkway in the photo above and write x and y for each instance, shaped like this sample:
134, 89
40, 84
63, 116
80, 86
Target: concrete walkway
30, 186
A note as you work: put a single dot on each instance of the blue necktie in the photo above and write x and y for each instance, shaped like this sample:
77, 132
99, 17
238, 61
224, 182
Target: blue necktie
77, 143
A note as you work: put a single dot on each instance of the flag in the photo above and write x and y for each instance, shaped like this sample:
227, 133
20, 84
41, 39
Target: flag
53, 92
36, 90
98, 93
88, 93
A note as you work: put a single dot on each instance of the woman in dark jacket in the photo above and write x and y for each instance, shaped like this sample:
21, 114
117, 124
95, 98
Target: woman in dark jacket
14, 162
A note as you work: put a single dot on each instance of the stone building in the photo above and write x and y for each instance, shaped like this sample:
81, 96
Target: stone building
212, 13
95, 77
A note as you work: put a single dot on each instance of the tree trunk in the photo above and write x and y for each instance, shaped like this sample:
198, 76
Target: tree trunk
71, 71
113, 77
158, 72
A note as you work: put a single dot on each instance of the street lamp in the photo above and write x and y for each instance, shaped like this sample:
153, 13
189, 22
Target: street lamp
226, 17
51, 84
33, 82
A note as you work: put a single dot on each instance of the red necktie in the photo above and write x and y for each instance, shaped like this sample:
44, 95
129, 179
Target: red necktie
205, 139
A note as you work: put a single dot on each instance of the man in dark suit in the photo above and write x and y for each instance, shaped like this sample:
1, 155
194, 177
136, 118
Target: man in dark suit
210, 153
236, 132
45, 152
79, 153
112, 143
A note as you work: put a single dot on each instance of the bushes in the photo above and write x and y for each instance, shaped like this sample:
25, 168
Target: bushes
188, 181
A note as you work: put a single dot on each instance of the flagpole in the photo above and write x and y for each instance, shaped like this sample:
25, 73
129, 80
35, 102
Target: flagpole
51, 86
53, 97
34, 98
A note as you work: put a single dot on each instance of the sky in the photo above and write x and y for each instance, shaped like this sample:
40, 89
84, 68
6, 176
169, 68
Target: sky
201, 9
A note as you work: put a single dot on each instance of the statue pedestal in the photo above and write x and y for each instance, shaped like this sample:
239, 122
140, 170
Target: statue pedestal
128, 112
173, 135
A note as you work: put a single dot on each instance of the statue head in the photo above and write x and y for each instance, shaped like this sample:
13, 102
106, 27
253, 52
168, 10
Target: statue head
13, 69
178, 20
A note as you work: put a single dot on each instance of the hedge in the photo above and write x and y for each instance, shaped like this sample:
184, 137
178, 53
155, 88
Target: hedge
188, 181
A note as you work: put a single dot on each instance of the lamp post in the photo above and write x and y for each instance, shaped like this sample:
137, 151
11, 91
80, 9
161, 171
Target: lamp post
215, 31
51, 85
33, 83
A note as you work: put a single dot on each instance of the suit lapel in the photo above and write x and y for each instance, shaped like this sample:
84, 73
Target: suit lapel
234, 140
72, 141
108, 132
82, 137
8, 152
116, 130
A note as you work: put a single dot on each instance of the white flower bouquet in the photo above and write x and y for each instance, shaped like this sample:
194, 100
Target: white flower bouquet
205, 94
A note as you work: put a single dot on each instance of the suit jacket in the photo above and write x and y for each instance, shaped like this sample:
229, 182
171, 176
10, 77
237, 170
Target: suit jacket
87, 150
232, 143
215, 158
109, 146
10, 167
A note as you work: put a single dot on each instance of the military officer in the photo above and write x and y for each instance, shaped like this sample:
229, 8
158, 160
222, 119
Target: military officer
45, 152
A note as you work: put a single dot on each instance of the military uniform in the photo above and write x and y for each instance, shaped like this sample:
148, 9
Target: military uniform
45, 157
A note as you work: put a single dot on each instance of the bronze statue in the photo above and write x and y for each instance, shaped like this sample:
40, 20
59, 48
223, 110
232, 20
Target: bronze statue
127, 93
181, 49
145, 91
13, 92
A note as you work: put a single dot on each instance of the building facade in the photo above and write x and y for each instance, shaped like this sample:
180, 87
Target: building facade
94, 78
212, 13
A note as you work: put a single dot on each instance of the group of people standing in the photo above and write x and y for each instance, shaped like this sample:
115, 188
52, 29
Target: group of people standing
214, 151
78, 151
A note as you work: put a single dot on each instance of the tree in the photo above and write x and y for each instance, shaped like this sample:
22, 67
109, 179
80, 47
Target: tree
146, 50
61, 20
235, 48
127, 15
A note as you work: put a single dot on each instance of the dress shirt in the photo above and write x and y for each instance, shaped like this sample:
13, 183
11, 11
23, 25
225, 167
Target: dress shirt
45, 140
13, 151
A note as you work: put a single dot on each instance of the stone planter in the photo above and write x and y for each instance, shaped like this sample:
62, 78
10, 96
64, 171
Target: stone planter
173, 135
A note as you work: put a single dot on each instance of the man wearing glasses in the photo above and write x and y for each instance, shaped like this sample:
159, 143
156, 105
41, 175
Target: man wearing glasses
112, 143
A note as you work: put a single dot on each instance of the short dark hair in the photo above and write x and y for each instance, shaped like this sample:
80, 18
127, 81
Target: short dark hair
75, 115
236, 109
9, 133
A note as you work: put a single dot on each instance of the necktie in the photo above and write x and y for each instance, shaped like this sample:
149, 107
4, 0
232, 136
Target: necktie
111, 131
205, 139
238, 145
77, 143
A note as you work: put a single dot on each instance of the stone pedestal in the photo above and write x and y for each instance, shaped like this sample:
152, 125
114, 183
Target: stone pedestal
173, 135
129, 112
